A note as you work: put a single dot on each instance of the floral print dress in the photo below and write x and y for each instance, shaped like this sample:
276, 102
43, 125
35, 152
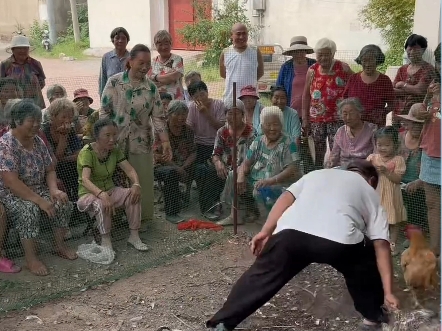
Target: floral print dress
174, 63
31, 166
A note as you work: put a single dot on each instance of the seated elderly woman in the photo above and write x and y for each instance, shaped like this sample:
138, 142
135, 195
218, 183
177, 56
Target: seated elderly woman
64, 142
181, 167
99, 196
28, 186
353, 140
223, 153
272, 161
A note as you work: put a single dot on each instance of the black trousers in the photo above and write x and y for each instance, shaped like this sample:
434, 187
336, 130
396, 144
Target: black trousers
285, 255
67, 172
209, 185
170, 178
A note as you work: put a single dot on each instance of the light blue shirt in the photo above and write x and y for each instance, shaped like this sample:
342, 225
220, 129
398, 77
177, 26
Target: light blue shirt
111, 65
292, 124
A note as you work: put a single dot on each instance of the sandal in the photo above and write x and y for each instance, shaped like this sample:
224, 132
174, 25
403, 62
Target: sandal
138, 245
9, 267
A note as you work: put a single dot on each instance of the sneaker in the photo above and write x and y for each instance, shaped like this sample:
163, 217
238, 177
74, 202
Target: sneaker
175, 219
229, 221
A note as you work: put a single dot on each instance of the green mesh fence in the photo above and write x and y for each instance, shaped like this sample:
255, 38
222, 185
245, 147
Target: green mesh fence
165, 241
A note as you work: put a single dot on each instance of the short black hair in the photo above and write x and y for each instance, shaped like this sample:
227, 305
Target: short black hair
390, 132
8, 81
100, 124
416, 40
165, 96
23, 109
115, 32
365, 169
197, 86
277, 88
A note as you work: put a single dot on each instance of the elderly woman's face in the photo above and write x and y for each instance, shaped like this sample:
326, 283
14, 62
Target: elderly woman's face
279, 99
9, 91
234, 115
63, 121
164, 47
120, 41
368, 62
20, 53
249, 102
324, 57
57, 93
350, 115
414, 53
30, 126
299, 55
272, 127
141, 64
178, 117
107, 137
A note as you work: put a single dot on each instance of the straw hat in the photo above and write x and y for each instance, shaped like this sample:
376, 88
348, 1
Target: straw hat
298, 43
413, 110
19, 41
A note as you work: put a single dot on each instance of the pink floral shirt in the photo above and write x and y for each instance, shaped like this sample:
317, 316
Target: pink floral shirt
174, 63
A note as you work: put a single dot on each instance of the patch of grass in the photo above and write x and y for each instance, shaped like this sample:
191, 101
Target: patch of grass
68, 47
209, 74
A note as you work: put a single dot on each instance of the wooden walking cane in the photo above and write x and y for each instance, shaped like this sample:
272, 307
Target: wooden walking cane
234, 167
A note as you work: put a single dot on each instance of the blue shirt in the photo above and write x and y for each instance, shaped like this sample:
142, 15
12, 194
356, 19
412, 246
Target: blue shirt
286, 75
111, 65
292, 124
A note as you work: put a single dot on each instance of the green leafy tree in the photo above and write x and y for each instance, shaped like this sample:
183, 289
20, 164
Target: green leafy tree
394, 20
212, 32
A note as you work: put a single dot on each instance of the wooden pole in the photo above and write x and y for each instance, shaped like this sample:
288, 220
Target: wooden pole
75, 24
235, 167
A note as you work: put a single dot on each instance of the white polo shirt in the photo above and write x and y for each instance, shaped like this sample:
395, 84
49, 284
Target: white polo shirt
334, 204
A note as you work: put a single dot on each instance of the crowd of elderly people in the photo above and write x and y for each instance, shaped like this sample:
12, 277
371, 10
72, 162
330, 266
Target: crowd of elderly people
156, 124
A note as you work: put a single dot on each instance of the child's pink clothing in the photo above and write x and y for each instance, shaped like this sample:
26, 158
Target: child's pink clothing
390, 193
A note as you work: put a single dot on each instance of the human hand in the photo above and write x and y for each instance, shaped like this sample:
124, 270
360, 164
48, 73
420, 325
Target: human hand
241, 185
412, 187
381, 169
59, 196
391, 301
258, 242
262, 183
221, 169
167, 151
135, 194
48, 207
201, 107
108, 206
80, 105
434, 88
399, 85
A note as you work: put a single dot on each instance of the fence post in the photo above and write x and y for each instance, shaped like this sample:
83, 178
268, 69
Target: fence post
234, 167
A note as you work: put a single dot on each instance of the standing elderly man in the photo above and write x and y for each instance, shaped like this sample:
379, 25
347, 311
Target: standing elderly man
348, 232
240, 62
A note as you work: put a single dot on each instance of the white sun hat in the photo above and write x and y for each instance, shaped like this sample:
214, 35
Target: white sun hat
19, 41
298, 43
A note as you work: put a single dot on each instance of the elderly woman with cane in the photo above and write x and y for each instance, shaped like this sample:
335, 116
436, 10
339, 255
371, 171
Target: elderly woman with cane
298, 233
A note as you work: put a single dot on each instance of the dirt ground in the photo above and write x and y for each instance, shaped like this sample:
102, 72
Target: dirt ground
184, 293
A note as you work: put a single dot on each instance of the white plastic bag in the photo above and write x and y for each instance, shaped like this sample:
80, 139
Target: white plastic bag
96, 253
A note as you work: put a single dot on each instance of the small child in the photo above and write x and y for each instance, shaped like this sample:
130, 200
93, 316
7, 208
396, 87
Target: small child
166, 98
391, 168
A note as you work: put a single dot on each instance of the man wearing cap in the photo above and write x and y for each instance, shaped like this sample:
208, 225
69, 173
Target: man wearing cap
293, 72
27, 70
83, 102
240, 62
349, 231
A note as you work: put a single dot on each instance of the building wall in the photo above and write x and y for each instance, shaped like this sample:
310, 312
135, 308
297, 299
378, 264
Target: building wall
150, 17
315, 19
427, 21
25, 12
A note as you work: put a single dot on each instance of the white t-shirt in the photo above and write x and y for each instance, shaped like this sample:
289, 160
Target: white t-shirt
334, 204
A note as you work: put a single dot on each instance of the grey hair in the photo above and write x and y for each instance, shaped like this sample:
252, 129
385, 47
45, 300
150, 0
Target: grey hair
22, 109
60, 105
371, 49
325, 43
51, 90
6, 115
239, 105
162, 35
177, 105
267, 112
355, 102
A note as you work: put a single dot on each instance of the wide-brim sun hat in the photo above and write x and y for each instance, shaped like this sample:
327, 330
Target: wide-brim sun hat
19, 41
410, 116
298, 43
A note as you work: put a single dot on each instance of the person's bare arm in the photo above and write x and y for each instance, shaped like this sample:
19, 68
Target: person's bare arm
129, 171
284, 201
168, 78
290, 173
18, 188
306, 99
260, 70
222, 67
190, 160
51, 178
418, 89
385, 264
87, 183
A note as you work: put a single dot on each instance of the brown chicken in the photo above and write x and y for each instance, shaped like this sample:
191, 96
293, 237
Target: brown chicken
419, 264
